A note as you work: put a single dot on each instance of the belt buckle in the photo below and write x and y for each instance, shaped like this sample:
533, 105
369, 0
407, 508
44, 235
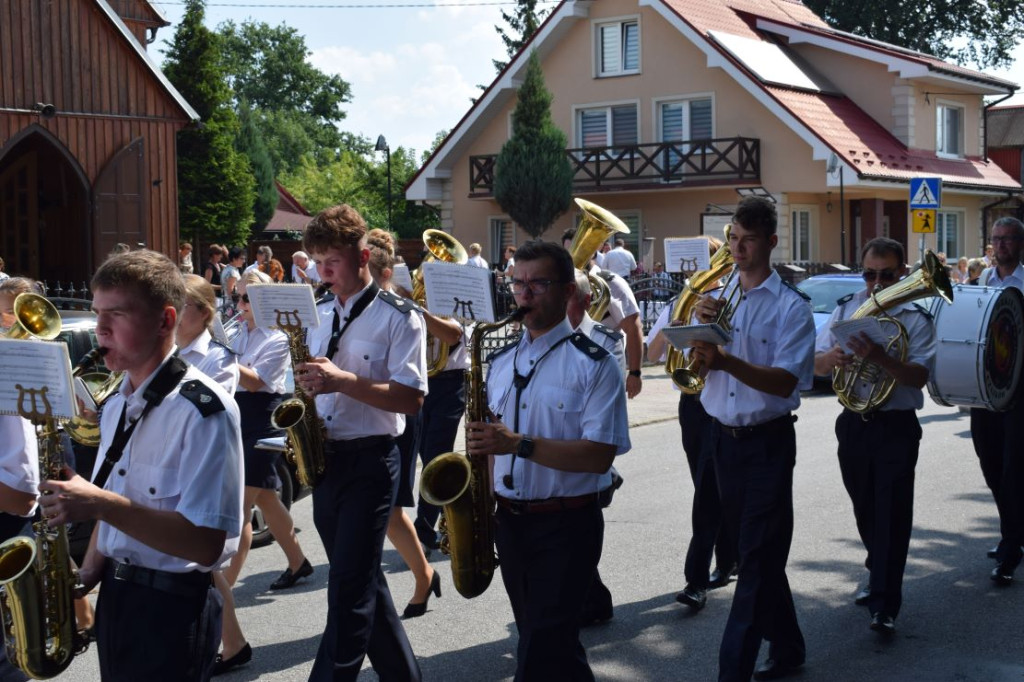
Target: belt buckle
122, 571
517, 507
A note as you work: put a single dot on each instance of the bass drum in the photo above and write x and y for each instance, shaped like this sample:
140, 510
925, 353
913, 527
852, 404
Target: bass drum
980, 352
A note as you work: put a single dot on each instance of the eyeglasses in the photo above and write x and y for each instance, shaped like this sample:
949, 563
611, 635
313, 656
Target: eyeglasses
1009, 239
245, 298
536, 286
880, 275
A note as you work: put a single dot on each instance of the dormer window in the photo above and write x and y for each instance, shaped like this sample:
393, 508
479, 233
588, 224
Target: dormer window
949, 129
618, 47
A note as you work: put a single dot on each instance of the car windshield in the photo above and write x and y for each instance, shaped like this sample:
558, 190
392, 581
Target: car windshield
825, 292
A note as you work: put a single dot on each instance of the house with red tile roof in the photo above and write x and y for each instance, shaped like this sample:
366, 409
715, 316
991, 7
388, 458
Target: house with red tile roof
674, 108
1006, 139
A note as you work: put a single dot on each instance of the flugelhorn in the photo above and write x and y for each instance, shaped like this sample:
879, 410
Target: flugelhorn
596, 226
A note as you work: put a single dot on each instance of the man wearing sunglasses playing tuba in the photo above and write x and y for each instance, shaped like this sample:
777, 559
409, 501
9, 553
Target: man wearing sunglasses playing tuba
878, 449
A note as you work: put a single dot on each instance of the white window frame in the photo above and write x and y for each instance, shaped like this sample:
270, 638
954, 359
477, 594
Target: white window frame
813, 229
658, 102
577, 129
940, 108
597, 41
961, 232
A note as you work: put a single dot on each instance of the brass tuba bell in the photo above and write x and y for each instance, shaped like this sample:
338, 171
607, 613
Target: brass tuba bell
440, 246
36, 317
596, 226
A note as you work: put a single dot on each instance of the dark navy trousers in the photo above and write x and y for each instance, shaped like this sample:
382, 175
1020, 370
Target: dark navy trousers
439, 425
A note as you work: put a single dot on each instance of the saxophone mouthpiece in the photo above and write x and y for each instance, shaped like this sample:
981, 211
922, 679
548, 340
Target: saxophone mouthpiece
519, 313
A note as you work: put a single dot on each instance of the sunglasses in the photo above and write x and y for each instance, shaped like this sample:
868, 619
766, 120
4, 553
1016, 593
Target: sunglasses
245, 298
879, 275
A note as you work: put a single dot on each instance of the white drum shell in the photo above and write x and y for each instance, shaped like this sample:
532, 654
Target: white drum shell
960, 375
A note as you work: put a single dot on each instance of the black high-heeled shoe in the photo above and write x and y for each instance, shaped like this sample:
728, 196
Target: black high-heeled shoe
417, 610
222, 665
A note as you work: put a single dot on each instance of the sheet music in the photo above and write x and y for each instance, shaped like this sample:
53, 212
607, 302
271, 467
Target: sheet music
36, 365
400, 276
294, 302
683, 337
847, 329
217, 331
687, 254
460, 291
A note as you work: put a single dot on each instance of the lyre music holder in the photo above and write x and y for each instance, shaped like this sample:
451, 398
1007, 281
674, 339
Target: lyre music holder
34, 415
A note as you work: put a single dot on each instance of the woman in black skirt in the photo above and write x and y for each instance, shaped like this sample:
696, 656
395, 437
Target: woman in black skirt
263, 361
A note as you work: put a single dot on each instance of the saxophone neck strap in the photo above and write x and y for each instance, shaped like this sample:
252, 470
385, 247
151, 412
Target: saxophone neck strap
337, 330
169, 376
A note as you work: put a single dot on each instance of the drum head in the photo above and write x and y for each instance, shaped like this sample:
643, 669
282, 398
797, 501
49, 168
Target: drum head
1003, 358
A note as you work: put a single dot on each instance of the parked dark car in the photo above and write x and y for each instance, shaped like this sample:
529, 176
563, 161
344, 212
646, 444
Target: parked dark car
78, 331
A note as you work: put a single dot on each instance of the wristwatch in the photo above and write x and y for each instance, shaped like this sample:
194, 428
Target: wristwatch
525, 449
634, 373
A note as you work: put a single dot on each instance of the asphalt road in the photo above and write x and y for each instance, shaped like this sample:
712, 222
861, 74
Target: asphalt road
955, 625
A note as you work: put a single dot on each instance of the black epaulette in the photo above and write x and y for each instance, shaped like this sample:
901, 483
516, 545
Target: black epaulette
225, 346
924, 311
799, 293
402, 305
845, 299
589, 348
616, 335
200, 395
504, 349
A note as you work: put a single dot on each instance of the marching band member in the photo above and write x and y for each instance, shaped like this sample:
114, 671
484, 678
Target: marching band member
598, 607
751, 390
401, 532
710, 537
997, 436
878, 450
559, 421
168, 484
198, 347
623, 315
368, 373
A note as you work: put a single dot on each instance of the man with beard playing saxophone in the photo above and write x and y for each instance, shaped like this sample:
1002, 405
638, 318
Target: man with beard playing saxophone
878, 450
559, 419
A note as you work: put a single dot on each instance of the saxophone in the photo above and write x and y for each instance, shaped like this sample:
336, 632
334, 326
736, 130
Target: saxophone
37, 581
297, 415
461, 485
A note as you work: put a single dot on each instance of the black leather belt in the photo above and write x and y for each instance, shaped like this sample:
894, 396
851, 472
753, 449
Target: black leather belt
551, 504
182, 584
758, 430
449, 374
353, 445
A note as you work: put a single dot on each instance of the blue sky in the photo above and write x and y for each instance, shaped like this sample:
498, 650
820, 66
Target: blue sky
412, 70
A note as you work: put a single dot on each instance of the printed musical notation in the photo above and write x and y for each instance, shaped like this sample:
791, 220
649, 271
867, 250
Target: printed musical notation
459, 291
36, 376
277, 304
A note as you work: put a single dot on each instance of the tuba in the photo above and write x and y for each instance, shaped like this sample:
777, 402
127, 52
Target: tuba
444, 247
297, 415
37, 581
929, 280
101, 385
596, 226
461, 485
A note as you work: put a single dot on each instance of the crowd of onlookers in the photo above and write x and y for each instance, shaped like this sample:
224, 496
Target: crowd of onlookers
967, 270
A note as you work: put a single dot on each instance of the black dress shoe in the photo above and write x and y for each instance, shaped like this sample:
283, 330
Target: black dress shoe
221, 665
883, 624
417, 610
694, 597
720, 577
1002, 574
776, 670
861, 598
426, 534
993, 553
287, 579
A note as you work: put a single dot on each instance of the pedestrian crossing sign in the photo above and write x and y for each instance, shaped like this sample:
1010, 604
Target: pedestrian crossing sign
924, 220
925, 192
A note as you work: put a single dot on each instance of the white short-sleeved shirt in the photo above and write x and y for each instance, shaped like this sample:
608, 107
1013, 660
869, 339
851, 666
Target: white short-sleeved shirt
990, 277
176, 460
477, 261
623, 303
612, 341
19, 455
264, 351
921, 350
458, 355
212, 359
310, 270
659, 324
572, 396
620, 261
772, 327
383, 344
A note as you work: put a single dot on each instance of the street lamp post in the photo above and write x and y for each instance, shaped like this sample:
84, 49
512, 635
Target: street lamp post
382, 146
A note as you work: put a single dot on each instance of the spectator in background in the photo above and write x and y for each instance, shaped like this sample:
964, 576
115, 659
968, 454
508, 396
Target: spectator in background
599, 256
619, 260
508, 261
475, 259
185, 258
229, 277
974, 269
213, 266
3, 275
941, 255
960, 274
662, 283
275, 270
989, 257
303, 269
263, 256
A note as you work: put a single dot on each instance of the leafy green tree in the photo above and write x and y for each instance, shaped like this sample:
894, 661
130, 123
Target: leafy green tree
215, 183
965, 31
250, 143
268, 66
532, 176
522, 24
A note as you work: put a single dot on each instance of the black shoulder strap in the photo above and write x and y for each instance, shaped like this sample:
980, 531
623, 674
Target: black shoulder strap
402, 305
799, 293
587, 346
169, 376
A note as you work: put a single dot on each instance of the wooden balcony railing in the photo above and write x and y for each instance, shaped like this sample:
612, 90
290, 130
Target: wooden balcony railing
691, 162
